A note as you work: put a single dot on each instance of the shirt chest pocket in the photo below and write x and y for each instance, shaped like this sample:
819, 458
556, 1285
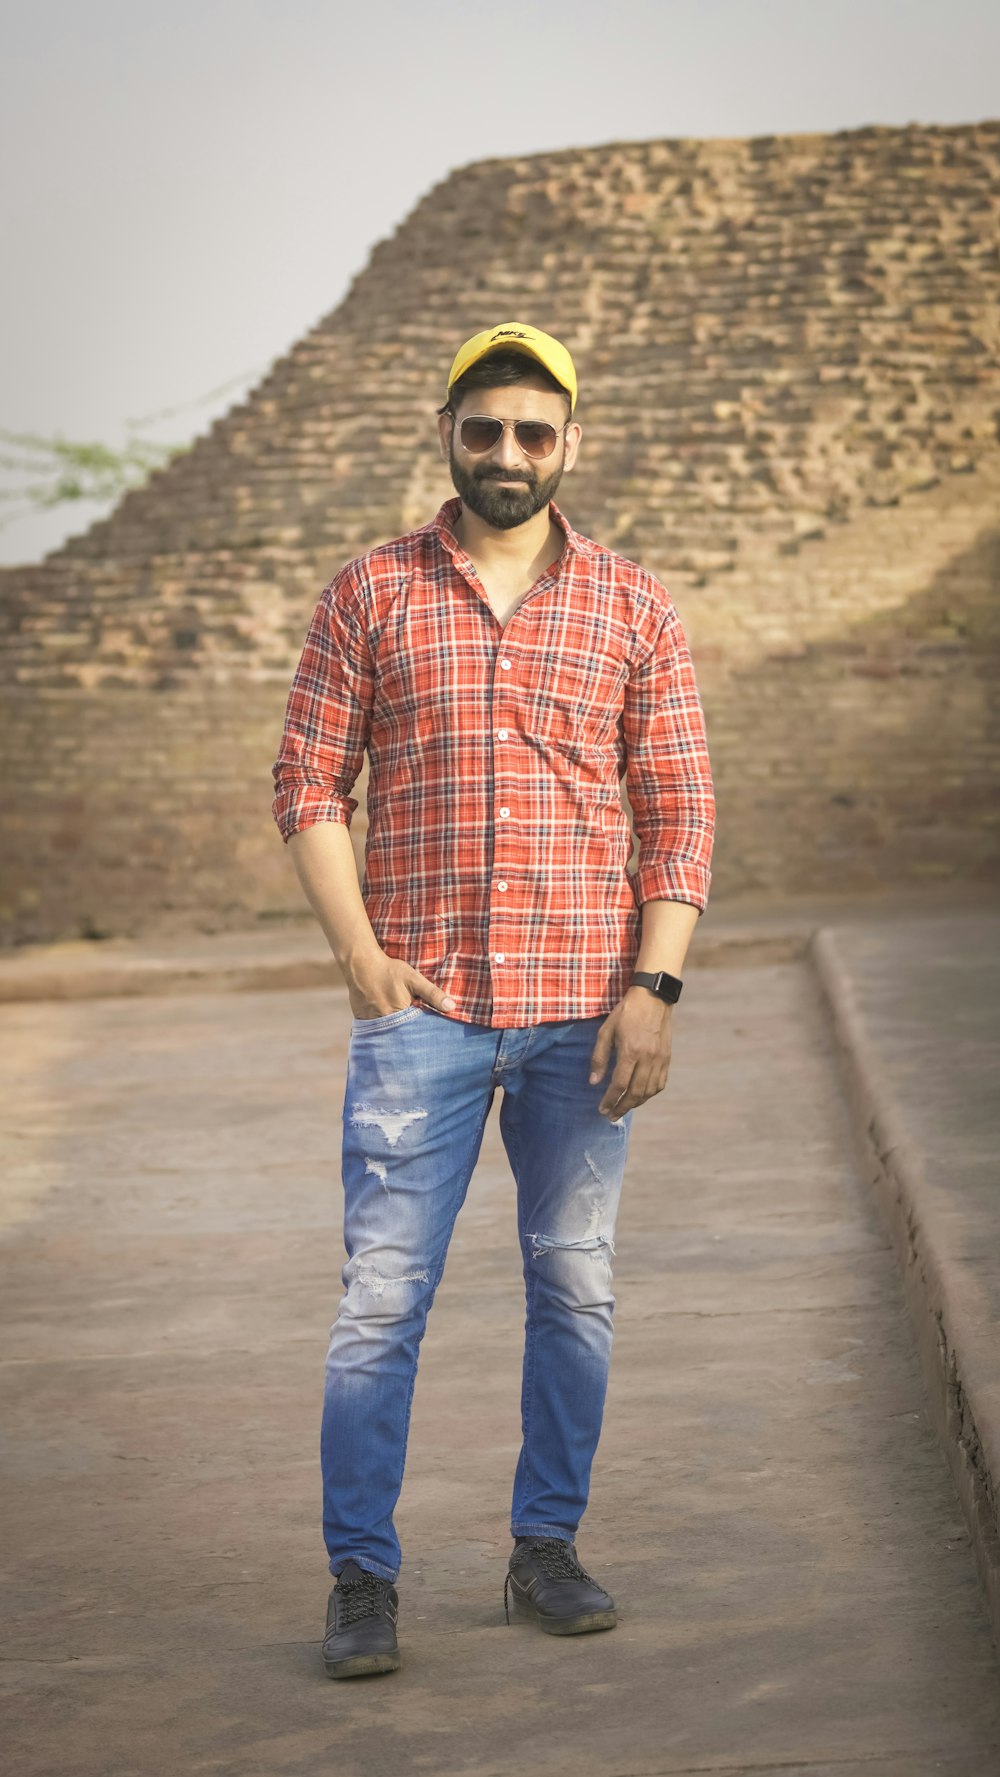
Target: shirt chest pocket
574, 696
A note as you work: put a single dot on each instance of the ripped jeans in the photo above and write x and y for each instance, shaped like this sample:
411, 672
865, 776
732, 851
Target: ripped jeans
420, 1086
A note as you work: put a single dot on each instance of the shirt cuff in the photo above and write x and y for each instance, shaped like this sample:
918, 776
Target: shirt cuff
674, 882
294, 810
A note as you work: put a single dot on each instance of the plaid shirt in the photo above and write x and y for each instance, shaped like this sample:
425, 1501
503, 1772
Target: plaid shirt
497, 840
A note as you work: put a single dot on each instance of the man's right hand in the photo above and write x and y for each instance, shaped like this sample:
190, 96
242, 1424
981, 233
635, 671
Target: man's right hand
382, 984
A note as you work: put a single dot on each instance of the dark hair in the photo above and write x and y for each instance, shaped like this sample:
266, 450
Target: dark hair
497, 370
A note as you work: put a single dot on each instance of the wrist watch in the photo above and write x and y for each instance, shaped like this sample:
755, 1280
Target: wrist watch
666, 987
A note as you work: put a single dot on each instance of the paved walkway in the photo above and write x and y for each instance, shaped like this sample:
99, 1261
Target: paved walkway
771, 1504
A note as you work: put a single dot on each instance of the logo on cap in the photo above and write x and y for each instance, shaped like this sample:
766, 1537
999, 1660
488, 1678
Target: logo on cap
508, 333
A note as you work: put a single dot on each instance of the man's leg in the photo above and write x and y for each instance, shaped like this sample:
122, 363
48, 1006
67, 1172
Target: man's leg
568, 1161
417, 1097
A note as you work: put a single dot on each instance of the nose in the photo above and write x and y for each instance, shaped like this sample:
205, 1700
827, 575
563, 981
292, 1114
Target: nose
508, 453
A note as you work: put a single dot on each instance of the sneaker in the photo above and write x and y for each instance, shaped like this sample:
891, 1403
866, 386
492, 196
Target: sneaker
547, 1583
360, 1625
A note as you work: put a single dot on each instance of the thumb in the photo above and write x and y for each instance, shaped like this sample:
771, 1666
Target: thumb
430, 991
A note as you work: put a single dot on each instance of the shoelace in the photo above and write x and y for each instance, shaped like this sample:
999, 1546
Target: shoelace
359, 1598
556, 1558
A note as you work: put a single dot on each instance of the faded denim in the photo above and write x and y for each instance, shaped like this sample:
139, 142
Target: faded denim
420, 1086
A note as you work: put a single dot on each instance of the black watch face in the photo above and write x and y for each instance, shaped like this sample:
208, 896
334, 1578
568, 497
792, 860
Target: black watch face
664, 986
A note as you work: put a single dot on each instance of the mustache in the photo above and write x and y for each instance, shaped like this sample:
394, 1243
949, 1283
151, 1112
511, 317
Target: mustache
500, 475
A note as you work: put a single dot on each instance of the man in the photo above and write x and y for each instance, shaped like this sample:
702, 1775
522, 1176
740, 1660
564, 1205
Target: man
504, 673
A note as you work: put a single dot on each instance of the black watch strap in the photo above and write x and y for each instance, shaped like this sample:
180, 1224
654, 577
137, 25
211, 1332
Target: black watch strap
666, 987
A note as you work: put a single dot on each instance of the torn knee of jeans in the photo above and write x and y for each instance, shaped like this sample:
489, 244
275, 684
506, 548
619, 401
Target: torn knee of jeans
591, 1239
591, 1243
392, 1122
368, 1277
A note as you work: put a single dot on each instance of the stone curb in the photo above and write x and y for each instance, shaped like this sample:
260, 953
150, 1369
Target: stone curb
955, 1356
144, 977
41, 978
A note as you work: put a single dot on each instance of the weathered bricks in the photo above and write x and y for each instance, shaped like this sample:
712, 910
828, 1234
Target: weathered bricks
788, 352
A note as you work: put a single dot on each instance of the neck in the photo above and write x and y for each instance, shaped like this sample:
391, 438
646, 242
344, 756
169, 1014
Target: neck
521, 544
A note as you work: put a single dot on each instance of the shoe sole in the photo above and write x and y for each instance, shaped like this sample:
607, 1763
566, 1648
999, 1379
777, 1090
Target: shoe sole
362, 1665
582, 1625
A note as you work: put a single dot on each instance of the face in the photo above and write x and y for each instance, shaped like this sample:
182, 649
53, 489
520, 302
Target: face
503, 486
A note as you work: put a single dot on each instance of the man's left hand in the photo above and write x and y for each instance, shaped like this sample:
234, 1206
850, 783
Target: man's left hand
640, 1030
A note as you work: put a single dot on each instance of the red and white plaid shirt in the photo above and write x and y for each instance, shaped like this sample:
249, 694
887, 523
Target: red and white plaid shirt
497, 840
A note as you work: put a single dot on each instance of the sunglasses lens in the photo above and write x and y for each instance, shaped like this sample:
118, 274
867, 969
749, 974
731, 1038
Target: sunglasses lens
480, 435
535, 438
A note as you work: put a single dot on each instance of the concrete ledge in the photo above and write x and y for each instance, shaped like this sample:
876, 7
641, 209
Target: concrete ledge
285, 954
261, 962
144, 978
935, 1242
249, 962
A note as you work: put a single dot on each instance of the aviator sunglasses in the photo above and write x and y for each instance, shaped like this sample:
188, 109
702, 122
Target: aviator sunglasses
536, 438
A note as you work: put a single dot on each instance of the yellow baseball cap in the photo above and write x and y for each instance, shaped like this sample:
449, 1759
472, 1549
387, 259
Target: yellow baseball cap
517, 336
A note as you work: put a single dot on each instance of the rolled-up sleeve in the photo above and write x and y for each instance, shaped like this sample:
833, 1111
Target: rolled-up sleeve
668, 774
327, 717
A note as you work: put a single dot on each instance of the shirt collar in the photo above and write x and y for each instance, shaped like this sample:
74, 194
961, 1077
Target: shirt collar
443, 525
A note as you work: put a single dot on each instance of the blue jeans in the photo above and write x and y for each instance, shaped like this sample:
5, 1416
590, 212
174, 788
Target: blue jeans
419, 1089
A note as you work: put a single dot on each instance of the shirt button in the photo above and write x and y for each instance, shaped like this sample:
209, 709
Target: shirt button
504, 812
501, 885
501, 734
506, 665
500, 957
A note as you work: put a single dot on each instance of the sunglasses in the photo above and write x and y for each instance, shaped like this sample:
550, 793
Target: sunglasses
536, 438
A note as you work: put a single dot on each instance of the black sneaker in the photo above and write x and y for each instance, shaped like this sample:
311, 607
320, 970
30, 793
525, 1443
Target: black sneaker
547, 1583
360, 1625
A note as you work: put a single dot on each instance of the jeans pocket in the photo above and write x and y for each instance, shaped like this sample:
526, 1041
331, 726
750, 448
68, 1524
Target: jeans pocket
386, 1020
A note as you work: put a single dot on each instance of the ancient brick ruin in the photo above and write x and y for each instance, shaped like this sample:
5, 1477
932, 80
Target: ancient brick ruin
788, 356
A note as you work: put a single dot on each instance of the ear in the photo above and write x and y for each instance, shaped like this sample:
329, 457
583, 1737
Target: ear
445, 423
574, 433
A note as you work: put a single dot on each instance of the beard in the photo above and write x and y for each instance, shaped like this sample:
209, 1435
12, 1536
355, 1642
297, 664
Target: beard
499, 497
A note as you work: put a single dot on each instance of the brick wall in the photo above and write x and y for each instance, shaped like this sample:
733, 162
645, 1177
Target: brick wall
788, 351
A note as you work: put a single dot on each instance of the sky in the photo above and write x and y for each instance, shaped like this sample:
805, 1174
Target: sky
191, 184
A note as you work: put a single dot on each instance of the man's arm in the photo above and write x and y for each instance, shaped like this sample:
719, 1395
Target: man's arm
377, 984
669, 784
324, 863
327, 724
327, 717
666, 933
